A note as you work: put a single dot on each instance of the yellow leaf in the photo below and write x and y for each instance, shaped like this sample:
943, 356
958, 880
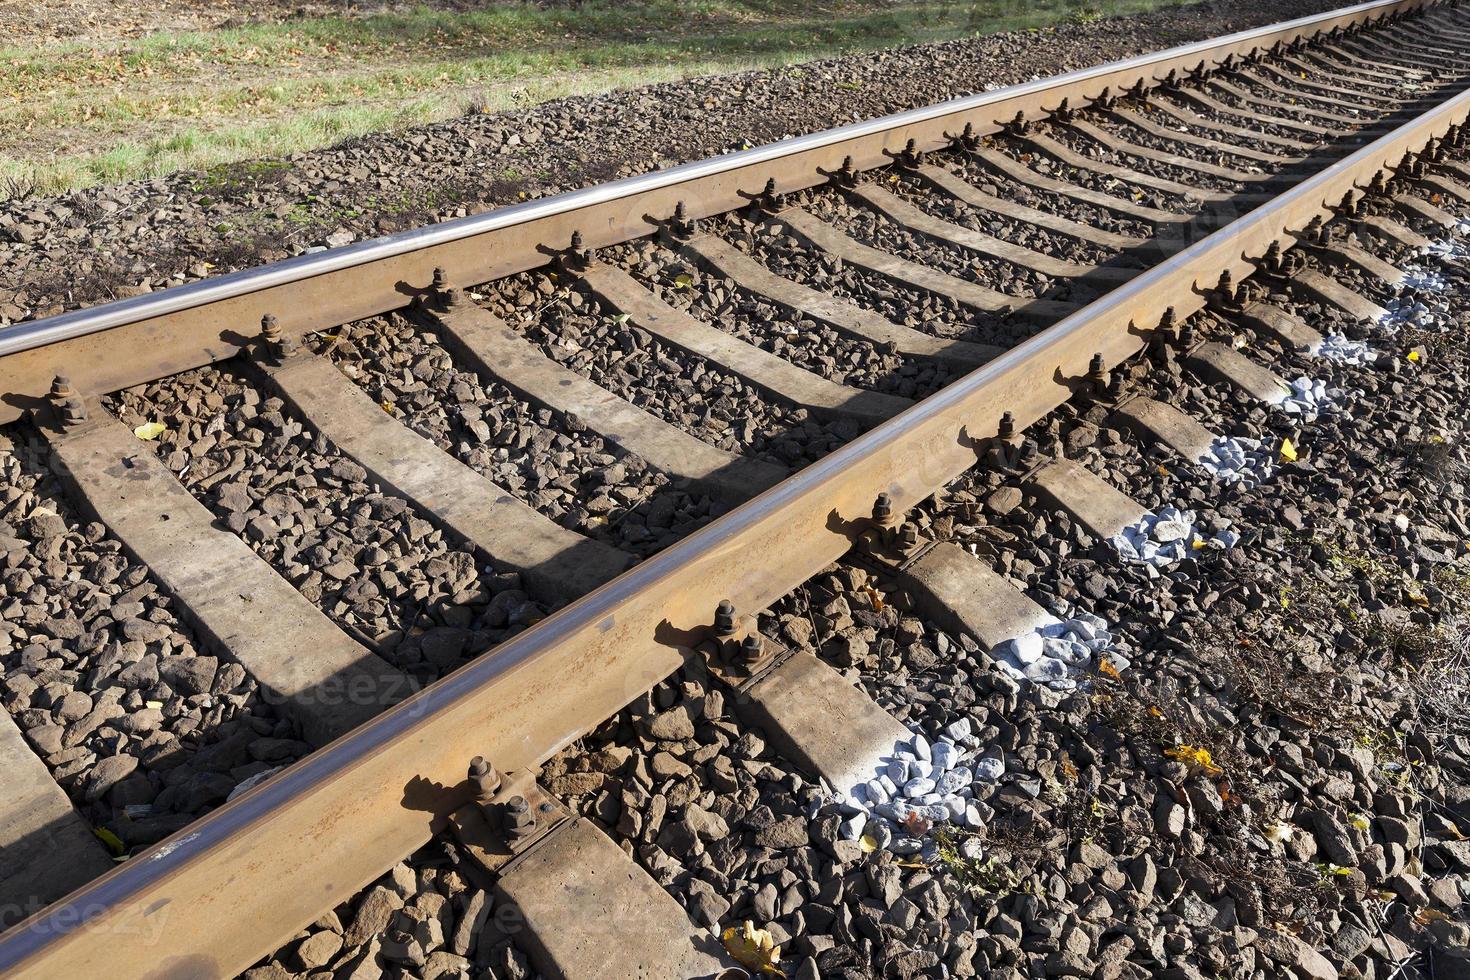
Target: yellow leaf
387, 407
1413, 355
1197, 759
1106, 668
1163, 470
753, 948
683, 281
1155, 712
150, 430
113, 842
1198, 544
1359, 820
1288, 451
868, 844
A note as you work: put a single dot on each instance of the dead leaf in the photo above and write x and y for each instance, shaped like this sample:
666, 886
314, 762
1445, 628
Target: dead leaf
753, 948
150, 430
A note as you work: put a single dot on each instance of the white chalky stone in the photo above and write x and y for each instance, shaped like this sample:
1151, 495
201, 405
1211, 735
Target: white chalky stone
951, 781
853, 826
973, 819
876, 792
1173, 530
1046, 670
897, 773
942, 754
917, 787
958, 729
1056, 648
895, 810
1026, 648
989, 769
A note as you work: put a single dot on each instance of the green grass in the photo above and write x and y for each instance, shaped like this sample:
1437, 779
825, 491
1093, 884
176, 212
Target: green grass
73, 114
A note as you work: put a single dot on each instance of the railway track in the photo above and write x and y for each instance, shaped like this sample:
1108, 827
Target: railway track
467, 492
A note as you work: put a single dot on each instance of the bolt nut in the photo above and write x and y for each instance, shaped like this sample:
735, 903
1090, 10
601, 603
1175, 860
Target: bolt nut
752, 649
883, 509
725, 618
520, 821
484, 778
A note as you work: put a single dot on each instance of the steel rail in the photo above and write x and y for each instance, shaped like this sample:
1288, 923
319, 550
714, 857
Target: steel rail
140, 339
214, 898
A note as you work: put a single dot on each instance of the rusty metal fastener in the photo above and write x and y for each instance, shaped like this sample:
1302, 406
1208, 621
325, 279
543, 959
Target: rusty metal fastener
520, 822
577, 256
883, 514
1017, 126
845, 175
1007, 427
768, 201
1097, 374
278, 345
681, 226
909, 157
71, 409
484, 779
1062, 113
725, 626
752, 649
967, 140
449, 296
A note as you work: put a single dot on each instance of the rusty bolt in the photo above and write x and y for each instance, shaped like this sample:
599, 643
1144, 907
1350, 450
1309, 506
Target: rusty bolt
1168, 323
441, 279
520, 822
73, 412
484, 778
1029, 452
61, 387
883, 510
1097, 374
277, 343
1225, 287
967, 138
1007, 425
577, 255
908, 537
752, 649
681, 226
909, 156
725, 618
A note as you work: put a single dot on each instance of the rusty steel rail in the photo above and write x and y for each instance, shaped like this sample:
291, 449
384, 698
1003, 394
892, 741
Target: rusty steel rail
214, 898
142, 339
